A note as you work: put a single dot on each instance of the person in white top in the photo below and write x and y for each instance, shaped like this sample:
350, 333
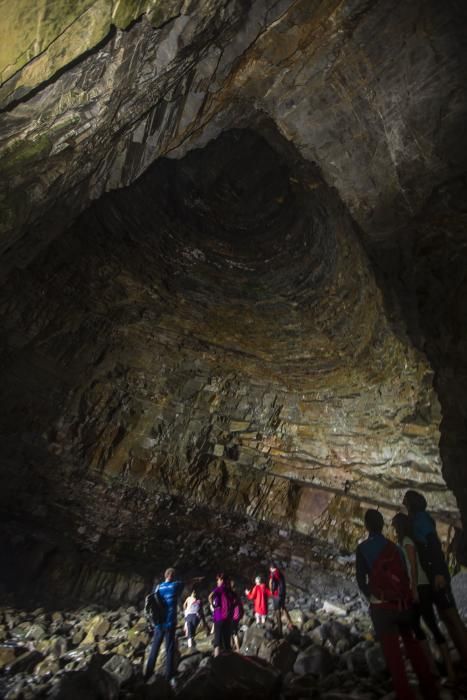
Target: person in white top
422, 593
194, 614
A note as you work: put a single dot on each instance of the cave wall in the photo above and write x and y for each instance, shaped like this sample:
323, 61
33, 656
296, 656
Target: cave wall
215, 331
151, 344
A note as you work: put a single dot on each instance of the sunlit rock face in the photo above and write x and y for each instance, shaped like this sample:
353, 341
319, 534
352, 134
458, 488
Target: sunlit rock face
233, 260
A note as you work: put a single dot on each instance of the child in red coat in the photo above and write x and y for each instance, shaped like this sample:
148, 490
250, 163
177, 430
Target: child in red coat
259, 594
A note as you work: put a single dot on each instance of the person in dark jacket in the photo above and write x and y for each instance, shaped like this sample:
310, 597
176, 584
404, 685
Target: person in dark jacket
434, 564
169, 591
278, 590
422, 594
392, 619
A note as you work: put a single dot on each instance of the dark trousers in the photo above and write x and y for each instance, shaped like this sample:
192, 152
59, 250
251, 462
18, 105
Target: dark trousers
223, 634
191, 624
424, 610
159, 635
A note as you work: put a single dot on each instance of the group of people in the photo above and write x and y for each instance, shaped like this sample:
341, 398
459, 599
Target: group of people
404, 584
226, 608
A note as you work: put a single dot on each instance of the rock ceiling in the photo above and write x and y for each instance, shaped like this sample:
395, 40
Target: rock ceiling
262, 310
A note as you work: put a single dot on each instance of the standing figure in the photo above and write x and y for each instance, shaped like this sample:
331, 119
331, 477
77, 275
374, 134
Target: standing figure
259, 594
167, 594
221, 600
433, 562
382, 578
194, 614
237, 615
277, 587
422, 592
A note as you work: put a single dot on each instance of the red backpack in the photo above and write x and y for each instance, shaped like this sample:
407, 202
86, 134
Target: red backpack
388, 580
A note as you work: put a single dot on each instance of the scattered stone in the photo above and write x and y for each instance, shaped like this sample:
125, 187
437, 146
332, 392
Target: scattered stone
252, 641
279, 653
375, 660
334, 609
7, 656
92, 683
26, 662
36, 632
48, 666
232, 676
97, 629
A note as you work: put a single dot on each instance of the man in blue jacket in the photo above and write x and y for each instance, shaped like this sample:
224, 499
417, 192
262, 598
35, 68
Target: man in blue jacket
169, 591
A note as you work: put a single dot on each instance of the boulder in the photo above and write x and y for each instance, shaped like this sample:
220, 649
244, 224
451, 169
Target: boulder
294, 637
96, 629
301, 686
310, 623
26, 662
334, 634
48, 666
189, 663
233, 676
7, 656
55, 645
316, 660
157, 688
92, 683
120, 667
297, 617
334, 608
279, 653
36, 632
375, 660
138, 637
252, 640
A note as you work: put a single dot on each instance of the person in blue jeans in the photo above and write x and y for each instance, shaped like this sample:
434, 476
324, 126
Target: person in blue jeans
169, 591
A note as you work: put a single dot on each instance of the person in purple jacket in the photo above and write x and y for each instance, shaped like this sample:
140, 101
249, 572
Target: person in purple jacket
222, 602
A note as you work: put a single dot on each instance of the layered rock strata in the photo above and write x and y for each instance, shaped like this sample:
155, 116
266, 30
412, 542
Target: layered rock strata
215, 332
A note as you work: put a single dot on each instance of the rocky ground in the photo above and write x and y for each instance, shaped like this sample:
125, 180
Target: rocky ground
98, 654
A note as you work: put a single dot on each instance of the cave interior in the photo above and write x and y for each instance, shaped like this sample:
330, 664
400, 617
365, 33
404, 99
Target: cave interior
233, 262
